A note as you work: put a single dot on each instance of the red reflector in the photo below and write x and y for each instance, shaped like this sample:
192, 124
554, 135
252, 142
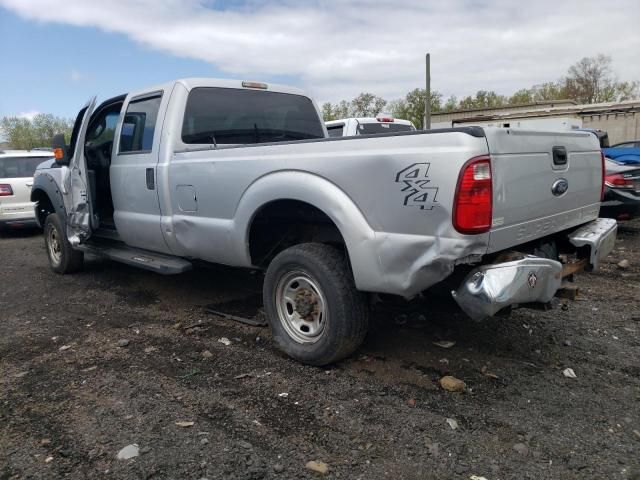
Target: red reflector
385, 119
618, 181
473, 203
5, 190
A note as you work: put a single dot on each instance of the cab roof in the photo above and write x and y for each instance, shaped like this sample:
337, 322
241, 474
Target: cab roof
194, 82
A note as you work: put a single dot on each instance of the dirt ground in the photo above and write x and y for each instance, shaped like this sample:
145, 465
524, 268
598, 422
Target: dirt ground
72, 395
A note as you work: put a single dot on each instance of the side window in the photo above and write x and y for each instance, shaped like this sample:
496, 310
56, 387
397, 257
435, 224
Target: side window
139, 125
103, 128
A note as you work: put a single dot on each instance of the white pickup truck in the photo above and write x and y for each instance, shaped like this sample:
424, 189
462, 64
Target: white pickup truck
348, 127
243, 174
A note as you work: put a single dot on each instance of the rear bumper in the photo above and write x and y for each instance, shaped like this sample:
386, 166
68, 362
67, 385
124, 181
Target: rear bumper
620, 204
599, 235
17, 219
490, 288
19, 223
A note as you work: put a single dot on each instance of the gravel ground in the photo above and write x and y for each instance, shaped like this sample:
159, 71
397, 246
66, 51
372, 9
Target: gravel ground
113, 356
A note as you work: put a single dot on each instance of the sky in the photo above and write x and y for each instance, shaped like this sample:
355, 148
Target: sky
55, 54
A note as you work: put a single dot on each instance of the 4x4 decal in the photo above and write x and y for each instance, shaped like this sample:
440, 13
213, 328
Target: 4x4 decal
415, 180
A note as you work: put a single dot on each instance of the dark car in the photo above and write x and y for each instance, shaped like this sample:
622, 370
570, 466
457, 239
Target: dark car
630, 144
622, 191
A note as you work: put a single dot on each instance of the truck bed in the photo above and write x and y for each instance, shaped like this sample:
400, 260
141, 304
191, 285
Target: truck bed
402, 186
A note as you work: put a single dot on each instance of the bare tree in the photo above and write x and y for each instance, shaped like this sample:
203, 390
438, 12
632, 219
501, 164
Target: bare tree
591, 81
366, 105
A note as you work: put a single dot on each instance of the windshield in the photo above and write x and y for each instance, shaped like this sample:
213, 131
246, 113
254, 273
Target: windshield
235, 116
19, 167
372, 128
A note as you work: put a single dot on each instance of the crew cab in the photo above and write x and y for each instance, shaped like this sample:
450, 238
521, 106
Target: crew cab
348, 127
244, 174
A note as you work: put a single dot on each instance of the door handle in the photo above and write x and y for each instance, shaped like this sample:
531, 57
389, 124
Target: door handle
559, 155
151, 180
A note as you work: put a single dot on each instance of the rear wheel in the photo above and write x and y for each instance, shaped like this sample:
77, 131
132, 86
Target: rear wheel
62, 257
316, 314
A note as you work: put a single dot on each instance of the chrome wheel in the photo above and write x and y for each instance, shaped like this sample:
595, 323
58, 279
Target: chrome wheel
54, 245
301, 307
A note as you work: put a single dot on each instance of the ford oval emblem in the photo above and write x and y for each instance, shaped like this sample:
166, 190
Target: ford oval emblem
559, 187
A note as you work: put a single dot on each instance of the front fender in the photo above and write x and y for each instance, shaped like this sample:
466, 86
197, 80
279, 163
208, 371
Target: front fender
45, 183
317, 191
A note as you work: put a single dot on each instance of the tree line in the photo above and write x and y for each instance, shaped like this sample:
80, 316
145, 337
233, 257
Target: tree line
24, 134
590, 80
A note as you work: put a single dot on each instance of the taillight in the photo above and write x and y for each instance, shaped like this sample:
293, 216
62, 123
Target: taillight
473, 203
603, 176
619, 181
5, 190
385, 119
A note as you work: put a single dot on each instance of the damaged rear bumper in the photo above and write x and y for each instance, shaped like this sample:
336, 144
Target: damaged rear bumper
491, 288
599, 235
530, 279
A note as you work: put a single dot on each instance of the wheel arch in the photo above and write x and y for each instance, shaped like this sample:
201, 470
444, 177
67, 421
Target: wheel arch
285, 222
48, 198
302, 188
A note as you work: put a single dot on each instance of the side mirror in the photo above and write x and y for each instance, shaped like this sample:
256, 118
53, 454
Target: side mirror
60, 149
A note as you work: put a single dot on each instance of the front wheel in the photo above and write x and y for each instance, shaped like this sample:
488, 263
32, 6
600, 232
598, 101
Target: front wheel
316, 314
62, 257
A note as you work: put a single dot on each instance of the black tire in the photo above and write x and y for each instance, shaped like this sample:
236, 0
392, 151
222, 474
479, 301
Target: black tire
347, 313
62, 257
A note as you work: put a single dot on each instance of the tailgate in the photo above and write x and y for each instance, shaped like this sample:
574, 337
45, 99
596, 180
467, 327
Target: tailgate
537, 192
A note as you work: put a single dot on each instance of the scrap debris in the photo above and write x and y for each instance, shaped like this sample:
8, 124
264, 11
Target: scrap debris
246, 310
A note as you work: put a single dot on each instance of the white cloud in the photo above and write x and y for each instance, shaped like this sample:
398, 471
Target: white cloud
76, 76
337, 49
28, 115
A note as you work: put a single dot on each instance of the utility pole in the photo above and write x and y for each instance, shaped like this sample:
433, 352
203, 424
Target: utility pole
427, 102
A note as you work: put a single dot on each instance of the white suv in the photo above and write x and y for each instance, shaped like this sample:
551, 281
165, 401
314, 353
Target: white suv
16, 178
348, 127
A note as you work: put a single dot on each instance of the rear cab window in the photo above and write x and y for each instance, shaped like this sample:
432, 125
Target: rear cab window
139, 124
20, 167
229, 116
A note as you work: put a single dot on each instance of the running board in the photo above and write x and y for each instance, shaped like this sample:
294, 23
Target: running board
156, 262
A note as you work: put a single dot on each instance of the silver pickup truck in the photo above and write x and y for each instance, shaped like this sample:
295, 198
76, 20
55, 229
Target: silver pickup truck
244, 174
